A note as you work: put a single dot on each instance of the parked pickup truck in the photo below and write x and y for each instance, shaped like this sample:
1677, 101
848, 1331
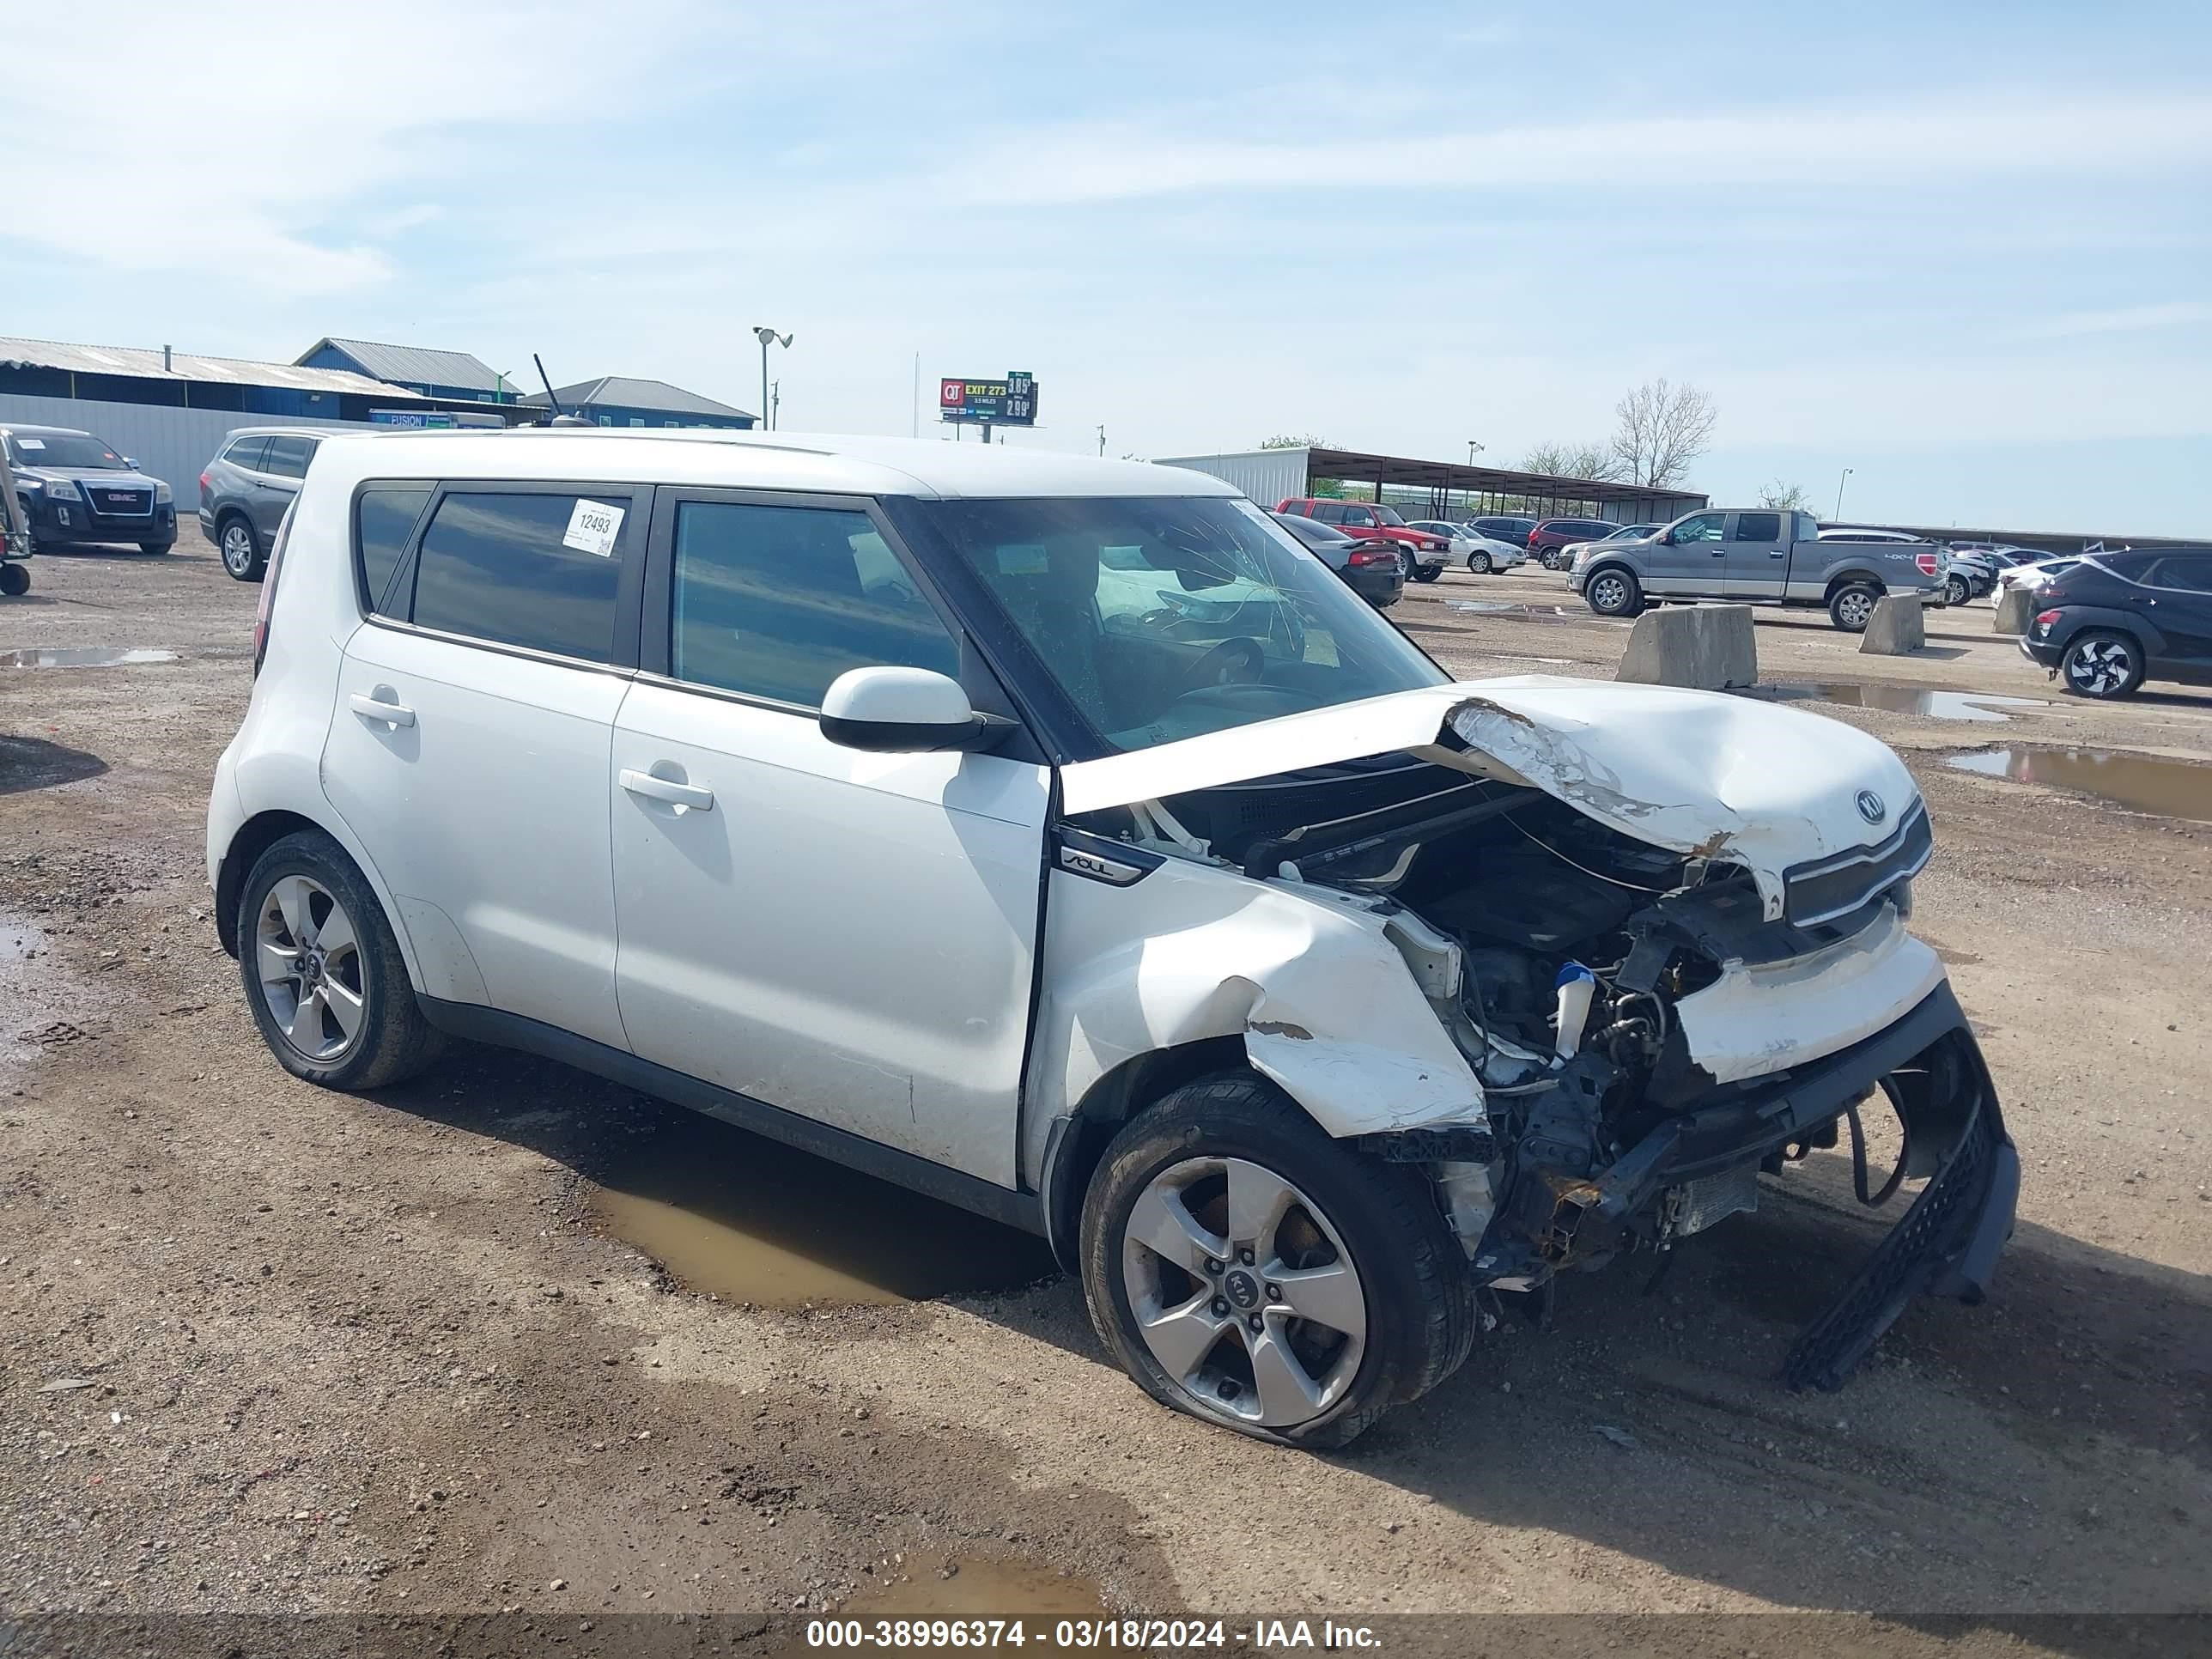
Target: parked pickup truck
1760, 557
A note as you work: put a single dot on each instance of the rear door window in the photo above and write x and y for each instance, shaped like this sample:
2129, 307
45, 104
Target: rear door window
246, 452
776, 602
288, 456
1758, 527
530, 569
2190, 572
383, 519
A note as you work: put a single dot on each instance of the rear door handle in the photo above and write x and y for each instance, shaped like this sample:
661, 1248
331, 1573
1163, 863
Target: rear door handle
376, 709
694, 796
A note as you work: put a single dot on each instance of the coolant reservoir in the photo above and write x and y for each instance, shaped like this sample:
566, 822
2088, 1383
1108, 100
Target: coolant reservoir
1577, 986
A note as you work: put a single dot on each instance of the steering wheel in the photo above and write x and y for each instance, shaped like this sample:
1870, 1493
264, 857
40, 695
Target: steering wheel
1232, 662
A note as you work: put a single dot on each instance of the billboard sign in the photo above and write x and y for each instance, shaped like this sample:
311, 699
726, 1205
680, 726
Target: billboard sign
1008, 400
437, 418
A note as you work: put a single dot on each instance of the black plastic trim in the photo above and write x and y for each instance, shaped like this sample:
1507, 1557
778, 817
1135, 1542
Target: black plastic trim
478, 1023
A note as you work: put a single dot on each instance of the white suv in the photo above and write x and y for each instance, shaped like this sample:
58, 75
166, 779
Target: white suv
1299, 996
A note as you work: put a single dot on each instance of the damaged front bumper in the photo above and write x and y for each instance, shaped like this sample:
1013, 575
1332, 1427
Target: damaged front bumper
1946, 1243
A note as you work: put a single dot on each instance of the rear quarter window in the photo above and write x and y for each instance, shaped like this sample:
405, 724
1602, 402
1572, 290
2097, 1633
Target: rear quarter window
383, 520
523, 569
246, 452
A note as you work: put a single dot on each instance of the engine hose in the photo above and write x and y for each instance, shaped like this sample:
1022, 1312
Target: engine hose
1859, 1159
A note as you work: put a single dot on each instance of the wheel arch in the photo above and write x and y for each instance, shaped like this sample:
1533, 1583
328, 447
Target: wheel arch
264, 830
2101, 619
1116, 1097
1852, 577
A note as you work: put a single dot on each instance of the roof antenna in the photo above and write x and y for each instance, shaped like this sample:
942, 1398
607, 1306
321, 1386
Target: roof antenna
561, 416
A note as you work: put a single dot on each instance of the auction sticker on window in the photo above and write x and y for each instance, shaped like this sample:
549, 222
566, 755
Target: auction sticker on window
593, 527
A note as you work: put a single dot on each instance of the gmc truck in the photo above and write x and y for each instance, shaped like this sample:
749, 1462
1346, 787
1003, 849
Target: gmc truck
1754, 556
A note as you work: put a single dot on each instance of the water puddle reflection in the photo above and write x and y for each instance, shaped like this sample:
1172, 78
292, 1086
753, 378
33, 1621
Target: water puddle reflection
2179, 789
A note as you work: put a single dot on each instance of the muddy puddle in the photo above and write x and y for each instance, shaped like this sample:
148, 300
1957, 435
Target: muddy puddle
2172, 788
921, 1587
84, 656
753, 1222
1985, 705
1545, 613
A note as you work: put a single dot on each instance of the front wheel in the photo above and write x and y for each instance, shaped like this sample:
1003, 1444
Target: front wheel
156, 547
1852, 608
1479, 563
2103, 664
1954, 591
15, 579
1615, 593
1246, 1269
324, 975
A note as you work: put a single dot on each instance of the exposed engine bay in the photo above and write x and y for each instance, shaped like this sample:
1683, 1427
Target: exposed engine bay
1557, 951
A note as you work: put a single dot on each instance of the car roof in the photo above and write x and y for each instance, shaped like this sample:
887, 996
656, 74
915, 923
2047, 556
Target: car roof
16, 429
278, 431
834, 463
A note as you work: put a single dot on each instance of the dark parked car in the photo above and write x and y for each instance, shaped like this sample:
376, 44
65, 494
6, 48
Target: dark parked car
1506, 529
74, 491
1373, 570
2117, 619
246, 487
1551, 538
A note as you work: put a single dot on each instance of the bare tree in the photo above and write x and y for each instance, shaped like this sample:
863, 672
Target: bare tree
1789, 497
1663, 429
1294, 440
1559, 460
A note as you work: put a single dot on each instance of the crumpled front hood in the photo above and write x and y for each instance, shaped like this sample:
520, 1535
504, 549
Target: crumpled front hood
1699, 773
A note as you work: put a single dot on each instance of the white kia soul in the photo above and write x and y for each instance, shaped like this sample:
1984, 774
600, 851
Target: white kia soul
1061, 838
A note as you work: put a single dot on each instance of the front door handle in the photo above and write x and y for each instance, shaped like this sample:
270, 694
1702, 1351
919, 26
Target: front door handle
376, 709
698, 798
1776, 553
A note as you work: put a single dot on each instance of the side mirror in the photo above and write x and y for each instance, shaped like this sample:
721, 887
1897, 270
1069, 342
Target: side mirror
902, 711
131, 462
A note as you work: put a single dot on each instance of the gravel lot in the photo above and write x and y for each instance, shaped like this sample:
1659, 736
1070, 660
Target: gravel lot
362, 1356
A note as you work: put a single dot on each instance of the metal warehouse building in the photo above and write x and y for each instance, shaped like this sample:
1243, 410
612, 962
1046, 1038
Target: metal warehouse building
617, 400
1438, 489
454, 376
169, 411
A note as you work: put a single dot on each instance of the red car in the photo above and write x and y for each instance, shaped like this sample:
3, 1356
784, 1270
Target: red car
1551, 535
1425, 554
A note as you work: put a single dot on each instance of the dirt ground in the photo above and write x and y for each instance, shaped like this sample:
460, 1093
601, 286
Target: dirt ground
264, 1348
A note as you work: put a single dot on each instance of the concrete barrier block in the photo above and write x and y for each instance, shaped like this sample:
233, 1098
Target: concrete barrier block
1707, 647
2015, 607
1897, 629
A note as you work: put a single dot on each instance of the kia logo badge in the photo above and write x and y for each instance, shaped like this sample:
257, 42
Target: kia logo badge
1870, 806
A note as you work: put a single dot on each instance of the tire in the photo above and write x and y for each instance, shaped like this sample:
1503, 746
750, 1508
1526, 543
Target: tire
1479, 561
1613, 592
1387, 1264
156, 547
1427, 573
291, 897
30, 536
1851, 607
15, 579
2104, 664
1955, 590
240, 548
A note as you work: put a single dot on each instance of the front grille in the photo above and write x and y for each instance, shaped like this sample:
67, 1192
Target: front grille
1832, 887
119, 503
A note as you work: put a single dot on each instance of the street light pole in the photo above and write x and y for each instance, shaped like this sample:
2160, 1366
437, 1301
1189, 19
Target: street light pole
1102, 438
1473, 450
1839, 492
769, 336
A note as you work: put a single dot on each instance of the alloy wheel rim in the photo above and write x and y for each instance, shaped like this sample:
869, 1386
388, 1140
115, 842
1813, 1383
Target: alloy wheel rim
1244, 1292
2102, 666
308, 957
1610, 592
1857, 609
237, 547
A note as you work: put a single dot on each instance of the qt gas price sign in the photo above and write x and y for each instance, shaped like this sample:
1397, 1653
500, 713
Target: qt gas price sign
1009, 400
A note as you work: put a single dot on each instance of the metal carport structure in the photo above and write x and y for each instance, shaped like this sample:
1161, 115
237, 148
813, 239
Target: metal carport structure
1453, 489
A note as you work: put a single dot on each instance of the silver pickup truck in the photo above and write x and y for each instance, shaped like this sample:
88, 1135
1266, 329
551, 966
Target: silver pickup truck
1758, 556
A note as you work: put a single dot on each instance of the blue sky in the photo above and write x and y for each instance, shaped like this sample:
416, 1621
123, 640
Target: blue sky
1965, 251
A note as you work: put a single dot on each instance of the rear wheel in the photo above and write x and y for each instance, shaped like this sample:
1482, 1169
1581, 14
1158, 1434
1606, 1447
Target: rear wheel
1613, 592
1955, 590
2102, 664
1426, 573
154, 547
240, 549
1852, 608
322, 973
1479, 561
1244, 1268
15, 579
